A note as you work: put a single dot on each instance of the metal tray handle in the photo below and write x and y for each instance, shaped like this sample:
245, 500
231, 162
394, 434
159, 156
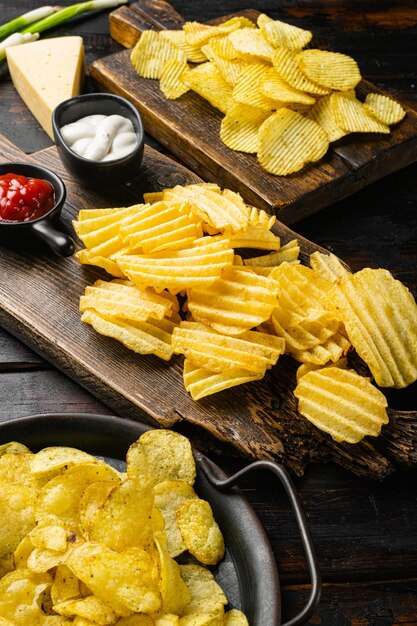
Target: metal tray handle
282, 474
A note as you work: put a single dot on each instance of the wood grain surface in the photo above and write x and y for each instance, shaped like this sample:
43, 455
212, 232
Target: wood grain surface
189, 127
365, 532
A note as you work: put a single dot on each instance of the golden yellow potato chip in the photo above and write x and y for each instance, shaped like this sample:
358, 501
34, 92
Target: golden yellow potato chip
65, 585
237, 301
329, 69
341, 403
86, 257
378, 313
223, 47
21, 554
153, 196
206, 595
200, 532
151, 53
198, 266
305, 368
323, 114
301, 288
333, 349
200, 382
127, 581
174, 591
169, 494
274, 87
252, 351
162, 226
288, 253
254, 237
221, 210
125, 301
20, 592
198, 34
301, 333
235, 618
93, 498
228, 68
50, 537
328, 266
351, 116
206, 80
177, 38
171, 84
17, 504
50, 461
251, 42
283, 35
287, 67
13, 447
151, 337
137, 620
202, 619
248, 88
58, 500
90, 608
385, 109
163, 454
239, 127
287, 141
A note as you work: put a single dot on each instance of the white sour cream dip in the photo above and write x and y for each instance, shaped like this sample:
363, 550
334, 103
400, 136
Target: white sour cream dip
101, 137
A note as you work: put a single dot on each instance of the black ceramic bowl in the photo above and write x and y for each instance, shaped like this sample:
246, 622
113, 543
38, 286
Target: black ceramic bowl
98, 174
43, 228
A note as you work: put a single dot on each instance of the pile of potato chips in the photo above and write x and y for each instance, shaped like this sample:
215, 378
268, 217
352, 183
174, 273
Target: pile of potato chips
84, 544
181, 288
280, 101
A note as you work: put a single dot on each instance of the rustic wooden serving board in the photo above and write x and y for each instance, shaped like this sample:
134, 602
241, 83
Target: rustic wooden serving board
39, 304
189, 127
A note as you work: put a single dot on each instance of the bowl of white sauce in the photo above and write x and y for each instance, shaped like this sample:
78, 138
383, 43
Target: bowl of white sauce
100, 139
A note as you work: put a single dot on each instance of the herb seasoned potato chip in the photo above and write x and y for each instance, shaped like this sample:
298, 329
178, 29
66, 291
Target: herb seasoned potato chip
285, 63
206, 595
171, 84
207, 81
274, 87
329, 69
151, 52
200, 532
240, 125
169, 494
385, 109
283, 35
174, 591
351, 116
323, 114
235, 618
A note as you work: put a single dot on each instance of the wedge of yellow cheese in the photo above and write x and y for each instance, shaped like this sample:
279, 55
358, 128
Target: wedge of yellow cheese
46, 73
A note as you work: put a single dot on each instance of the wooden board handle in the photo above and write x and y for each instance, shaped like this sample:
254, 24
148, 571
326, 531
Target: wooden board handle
127, 22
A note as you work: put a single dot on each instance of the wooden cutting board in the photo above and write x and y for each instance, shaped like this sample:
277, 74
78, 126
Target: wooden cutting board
39, 296
189, 127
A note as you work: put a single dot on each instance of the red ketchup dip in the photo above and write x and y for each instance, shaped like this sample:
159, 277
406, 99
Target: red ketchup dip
24, 199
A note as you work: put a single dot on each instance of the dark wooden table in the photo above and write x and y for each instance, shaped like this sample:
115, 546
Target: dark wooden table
365, 533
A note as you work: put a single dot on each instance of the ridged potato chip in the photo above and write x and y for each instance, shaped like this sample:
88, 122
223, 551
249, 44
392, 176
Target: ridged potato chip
378, 313
171, 84
200, 382
287, 141
305, 368
150, 337
197, 34
254, 237
237, 301
323, 114
329, 69
198, 266
328, 266
351, 116
86, 257
200, 532
239, 127
248, 88
274, 87
163, 454
177, 38
333, 349
250, 42
206, 80
287, 67
301, 288
125, 301
162, 226
288, 253
169, 494
151, 52
206, 595
252, 351
385, 109
341, 403
223, 47
229, 69
283, 35
218, 209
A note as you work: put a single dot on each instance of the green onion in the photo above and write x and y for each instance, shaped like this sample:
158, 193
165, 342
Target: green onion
69, 12
16, 40
28, 18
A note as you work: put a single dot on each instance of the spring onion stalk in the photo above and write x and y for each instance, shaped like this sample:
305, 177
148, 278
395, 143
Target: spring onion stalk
28, 18
69, 12
15, 40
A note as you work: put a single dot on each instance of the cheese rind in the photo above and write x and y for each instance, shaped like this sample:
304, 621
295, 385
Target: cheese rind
47, 72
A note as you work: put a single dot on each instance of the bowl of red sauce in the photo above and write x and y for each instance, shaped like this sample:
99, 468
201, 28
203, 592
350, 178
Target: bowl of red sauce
31, 201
